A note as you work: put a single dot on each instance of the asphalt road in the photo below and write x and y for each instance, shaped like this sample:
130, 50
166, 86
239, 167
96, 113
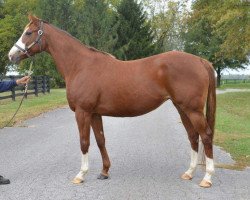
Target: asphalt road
148, 155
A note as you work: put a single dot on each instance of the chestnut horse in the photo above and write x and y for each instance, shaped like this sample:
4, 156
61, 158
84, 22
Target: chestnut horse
98, 84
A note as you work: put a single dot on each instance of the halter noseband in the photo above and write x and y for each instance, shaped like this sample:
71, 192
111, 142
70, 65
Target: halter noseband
37, 41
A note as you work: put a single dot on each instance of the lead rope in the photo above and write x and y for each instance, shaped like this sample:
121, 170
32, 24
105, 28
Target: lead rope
21, 102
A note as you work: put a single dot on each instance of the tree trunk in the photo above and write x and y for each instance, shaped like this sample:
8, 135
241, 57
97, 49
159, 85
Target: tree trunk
218, 76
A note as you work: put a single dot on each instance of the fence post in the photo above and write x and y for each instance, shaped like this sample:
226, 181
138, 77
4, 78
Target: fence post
13, 94
44, 84
48, 84
26, 94
36, 85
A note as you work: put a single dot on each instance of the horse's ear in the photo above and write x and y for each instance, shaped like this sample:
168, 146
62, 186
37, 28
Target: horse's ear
33, 19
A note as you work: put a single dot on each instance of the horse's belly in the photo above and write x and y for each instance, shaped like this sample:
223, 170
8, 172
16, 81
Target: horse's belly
130, 107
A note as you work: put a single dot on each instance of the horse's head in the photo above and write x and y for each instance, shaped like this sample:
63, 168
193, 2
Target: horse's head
30, 42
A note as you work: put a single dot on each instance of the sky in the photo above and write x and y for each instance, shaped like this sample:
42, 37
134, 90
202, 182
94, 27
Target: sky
238, 72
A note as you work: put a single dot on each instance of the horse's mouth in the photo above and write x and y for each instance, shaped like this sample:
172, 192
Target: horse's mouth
15, 60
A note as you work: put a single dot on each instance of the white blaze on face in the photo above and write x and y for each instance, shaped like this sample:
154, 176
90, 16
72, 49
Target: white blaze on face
14, 49
84, 167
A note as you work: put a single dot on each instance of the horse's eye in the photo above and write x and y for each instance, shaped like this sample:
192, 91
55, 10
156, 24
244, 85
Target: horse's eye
28, 33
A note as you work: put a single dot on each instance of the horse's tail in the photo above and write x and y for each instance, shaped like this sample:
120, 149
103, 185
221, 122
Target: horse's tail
210, 105
211, 97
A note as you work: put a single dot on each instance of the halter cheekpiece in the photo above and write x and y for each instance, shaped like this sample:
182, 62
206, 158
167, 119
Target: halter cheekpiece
37, 41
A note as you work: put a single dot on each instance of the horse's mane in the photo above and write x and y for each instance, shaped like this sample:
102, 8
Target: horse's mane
96, 50
88, 47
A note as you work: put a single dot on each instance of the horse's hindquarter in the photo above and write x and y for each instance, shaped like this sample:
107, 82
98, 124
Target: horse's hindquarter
188, 79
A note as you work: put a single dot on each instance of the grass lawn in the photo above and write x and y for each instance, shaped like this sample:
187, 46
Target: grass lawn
32, 106
233, 125
235, 86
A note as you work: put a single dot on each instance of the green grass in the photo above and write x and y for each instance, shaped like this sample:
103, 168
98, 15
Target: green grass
32, 106
233, 125
235, 86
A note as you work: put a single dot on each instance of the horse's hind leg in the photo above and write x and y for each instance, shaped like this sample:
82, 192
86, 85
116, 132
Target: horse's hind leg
200, 125
96, 123
83, 121
193, 137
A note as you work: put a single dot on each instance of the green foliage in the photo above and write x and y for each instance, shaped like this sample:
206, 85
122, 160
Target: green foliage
113, 3
167, 20
1, 10
135, 39
58, 13
209, 32
13, 17
7, 35
94, 24
231, 22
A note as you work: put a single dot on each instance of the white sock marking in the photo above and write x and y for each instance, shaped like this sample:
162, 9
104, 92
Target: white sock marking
209, 169
201, 152
84, 166
193, 163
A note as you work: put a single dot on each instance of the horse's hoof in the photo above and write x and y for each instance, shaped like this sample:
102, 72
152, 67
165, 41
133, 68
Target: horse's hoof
205, 184
102, 177
77, 181
186, 177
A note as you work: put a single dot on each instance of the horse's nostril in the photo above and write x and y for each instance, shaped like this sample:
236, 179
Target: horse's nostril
10, 56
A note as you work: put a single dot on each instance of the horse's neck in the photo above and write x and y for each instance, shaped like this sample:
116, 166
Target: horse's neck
65, 50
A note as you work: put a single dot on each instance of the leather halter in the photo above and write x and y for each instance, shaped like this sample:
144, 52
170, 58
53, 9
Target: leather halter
37, 41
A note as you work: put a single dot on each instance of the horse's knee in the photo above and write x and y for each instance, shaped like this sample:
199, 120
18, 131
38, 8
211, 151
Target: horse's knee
206, 139
208, 145
85, 146
195, 146
194, 141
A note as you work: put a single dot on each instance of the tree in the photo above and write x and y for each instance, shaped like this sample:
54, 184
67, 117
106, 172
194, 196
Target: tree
94, 24
58, 13
113, 3
231, 22
204, 36
135, 38
13, 16
1, 9
167, 20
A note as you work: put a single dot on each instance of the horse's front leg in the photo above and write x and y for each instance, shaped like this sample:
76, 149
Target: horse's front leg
97, 127
83, 121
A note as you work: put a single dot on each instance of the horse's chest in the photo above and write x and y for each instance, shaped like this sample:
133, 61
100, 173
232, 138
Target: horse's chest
80, 98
